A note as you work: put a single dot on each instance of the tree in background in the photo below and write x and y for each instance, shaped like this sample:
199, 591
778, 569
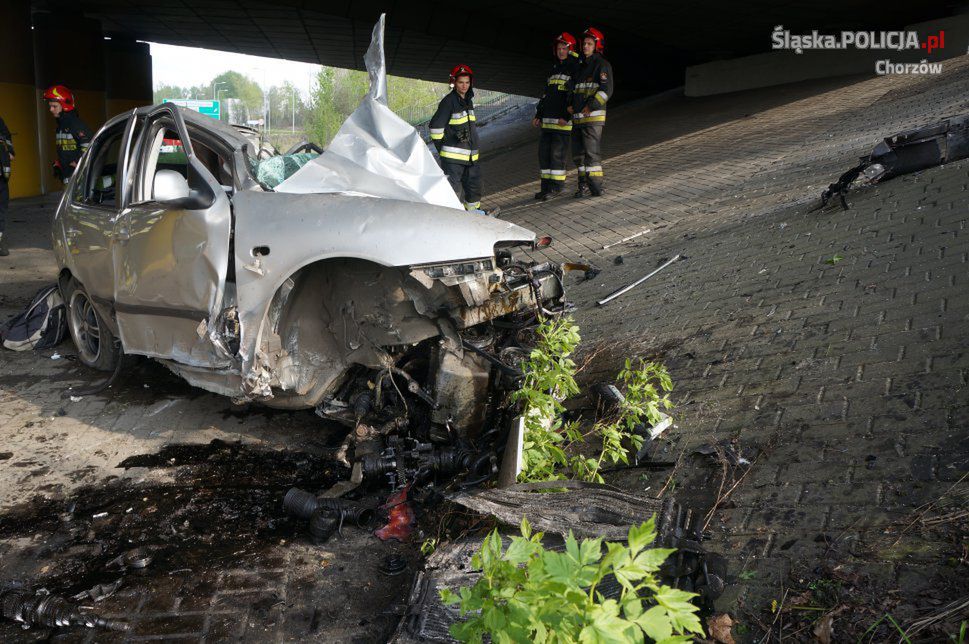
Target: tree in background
338, 92
235, 85
282, 100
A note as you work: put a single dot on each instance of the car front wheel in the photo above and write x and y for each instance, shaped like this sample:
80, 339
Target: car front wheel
96, 345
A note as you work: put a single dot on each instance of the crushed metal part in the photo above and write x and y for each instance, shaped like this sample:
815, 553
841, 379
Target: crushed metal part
98, 592
903, 153
135, 558
43, 609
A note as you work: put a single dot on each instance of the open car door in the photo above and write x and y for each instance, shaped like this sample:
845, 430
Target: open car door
172, 250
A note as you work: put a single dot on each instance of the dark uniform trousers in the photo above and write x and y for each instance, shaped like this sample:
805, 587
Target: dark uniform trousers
553, 150
4, 204
587, 154
467, 177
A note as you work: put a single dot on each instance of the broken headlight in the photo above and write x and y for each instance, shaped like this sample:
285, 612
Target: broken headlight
462, 268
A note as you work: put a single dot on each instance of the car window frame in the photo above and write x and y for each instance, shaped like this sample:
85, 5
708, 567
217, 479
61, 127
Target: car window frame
79, 192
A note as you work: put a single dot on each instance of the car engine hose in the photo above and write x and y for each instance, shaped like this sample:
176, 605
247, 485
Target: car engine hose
303, 505
41, 609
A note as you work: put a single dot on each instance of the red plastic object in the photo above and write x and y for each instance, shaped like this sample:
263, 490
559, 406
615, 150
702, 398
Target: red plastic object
400, 518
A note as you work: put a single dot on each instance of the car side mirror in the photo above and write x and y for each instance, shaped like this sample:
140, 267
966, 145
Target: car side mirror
169, 186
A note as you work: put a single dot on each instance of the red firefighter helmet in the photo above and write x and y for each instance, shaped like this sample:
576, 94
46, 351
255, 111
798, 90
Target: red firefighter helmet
461, 70
596, 35
62, 95
567, 38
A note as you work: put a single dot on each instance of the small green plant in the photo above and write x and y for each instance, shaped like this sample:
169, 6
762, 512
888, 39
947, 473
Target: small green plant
834, 260
747, 575
549, 380
529, 594
963, 636
428, 546
871, 629
552, 449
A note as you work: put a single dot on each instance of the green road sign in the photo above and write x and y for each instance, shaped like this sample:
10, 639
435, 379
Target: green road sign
203, 106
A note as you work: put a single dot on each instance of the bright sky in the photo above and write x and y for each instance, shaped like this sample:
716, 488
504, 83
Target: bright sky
186, 66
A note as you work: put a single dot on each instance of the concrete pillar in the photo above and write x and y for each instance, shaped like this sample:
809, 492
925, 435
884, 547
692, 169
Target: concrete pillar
127, 75
18, 99
68, 50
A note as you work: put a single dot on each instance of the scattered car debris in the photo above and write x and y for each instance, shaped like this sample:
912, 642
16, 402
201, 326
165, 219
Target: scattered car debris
326, 515
626, 239
393, 565
40, 608
630, 287
135, 559
400, 517
903, 153
98, 592
728, 451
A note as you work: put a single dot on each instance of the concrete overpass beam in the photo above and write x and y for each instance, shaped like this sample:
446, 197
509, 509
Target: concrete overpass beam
127, 75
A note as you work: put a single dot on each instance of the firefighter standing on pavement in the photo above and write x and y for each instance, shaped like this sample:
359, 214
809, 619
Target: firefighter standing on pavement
552, 115
6, 156
456, 139
593, 88
72, 136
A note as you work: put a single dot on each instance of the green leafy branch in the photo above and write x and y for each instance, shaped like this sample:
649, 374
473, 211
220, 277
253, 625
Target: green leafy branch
528, 593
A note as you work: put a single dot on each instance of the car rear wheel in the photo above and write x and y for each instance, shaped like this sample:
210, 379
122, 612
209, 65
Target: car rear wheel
96, 345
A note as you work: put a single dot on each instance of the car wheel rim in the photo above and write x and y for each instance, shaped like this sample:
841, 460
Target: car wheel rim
86, 327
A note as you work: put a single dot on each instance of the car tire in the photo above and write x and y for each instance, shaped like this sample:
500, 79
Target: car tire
96, 345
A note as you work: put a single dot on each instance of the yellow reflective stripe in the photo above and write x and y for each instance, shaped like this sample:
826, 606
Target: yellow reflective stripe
463, 119
556, 177
437, 137
472, 206
553, 124
602, 96
595, 174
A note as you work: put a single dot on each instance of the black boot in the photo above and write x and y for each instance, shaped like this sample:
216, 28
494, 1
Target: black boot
3, 246
543, 191
583, 189
595, 187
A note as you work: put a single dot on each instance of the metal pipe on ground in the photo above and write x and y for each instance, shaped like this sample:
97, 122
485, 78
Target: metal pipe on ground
626, 289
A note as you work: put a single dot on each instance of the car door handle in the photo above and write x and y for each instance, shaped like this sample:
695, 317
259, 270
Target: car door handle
72, 232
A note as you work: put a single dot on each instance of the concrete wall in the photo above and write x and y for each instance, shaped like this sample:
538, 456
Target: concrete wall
784, 66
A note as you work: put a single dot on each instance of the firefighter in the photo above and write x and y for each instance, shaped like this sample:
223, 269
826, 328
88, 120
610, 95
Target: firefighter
456, 139
73, 136
593, 87
552, 115
6, 156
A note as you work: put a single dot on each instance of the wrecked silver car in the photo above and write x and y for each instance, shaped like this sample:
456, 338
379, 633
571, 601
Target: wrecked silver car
354, 280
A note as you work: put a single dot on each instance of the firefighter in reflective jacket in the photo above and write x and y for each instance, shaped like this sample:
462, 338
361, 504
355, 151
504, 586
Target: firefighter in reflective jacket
72, 136
456, 139
552, 115
593, 87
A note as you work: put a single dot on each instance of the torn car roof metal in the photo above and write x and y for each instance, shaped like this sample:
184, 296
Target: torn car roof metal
376, 153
